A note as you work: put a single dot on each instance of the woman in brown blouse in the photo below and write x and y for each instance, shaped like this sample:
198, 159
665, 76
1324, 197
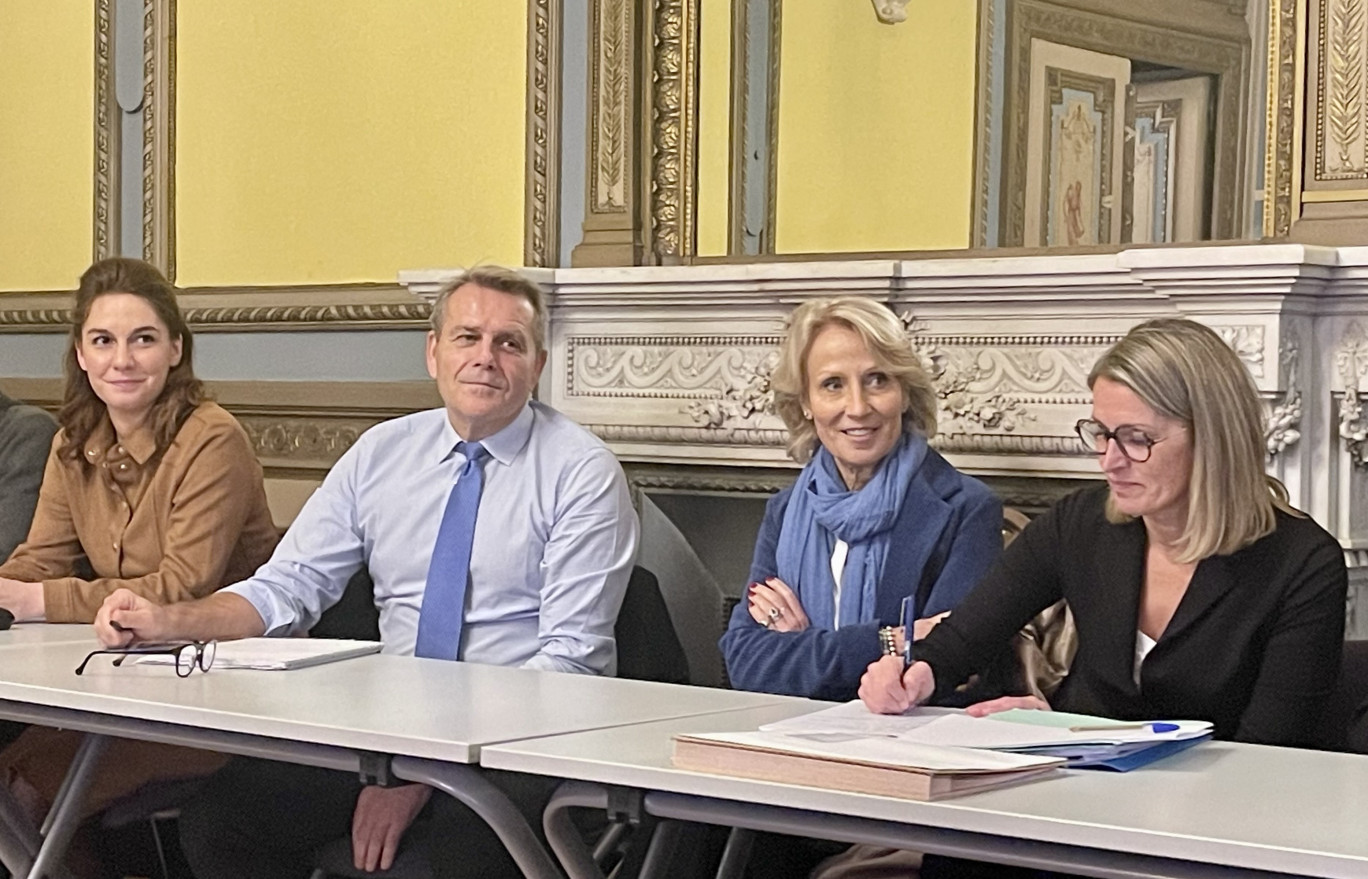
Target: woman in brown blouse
154, 486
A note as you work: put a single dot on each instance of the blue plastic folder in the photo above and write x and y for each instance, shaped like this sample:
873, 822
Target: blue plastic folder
1122, 758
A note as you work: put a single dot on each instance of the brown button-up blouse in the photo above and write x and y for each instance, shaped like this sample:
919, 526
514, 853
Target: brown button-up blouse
169, 528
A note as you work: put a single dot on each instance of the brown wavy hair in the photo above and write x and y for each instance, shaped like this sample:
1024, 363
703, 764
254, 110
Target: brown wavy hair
82, 409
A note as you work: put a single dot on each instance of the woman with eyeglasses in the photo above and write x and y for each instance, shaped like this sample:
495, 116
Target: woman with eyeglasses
149, 487
1197, 590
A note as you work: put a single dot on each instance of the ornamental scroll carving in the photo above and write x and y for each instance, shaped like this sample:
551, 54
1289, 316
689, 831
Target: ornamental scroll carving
676, 367
986, 385
890, 11
1352, 361
1283, 429
302, 440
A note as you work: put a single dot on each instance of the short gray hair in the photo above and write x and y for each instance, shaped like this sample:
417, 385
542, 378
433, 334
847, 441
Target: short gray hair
503, 280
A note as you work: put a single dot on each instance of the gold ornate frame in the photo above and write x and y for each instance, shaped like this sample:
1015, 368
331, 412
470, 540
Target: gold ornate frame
1027, 20
294, 307
672, 147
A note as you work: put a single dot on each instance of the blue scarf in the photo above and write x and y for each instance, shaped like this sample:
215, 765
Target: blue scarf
821, 509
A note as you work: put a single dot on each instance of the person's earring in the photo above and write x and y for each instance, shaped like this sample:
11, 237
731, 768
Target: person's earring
807, 415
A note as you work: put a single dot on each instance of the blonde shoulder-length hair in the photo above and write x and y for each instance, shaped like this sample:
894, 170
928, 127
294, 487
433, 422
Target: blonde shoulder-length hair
1184, 370
887, 341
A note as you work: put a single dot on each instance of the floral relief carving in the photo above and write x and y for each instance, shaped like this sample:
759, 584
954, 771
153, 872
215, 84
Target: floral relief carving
747, 397
1283, 429
1352, 361
1248, 343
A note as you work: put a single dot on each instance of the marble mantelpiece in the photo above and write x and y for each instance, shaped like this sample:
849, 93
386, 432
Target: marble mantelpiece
670, 365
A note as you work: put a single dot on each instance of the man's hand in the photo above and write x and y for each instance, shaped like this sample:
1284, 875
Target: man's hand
24, 600
1007, 703
378, 824
125, 618
774, 605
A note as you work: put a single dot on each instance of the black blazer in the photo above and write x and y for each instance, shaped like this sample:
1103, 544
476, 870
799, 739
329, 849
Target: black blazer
1254, 645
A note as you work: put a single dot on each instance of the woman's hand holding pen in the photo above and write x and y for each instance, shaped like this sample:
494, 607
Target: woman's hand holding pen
886, 688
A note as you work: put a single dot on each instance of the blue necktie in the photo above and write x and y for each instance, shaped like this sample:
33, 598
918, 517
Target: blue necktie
439, 623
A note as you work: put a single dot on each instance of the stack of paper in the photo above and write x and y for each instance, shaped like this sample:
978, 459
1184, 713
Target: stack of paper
872, 765
1081, 739
277, 654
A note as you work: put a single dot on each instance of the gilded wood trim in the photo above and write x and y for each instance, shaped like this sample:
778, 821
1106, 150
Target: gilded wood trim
159, 135
258, 309
1282, 153
1312, 196
674, 129
106, 207
541, 232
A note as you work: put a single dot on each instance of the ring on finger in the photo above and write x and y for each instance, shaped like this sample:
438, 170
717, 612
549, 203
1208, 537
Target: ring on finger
774, 614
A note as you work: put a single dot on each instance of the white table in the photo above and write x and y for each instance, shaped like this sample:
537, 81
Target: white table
1219, 809
433, 718
47, 633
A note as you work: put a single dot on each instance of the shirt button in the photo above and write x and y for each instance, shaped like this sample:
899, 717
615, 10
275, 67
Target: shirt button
90, 453
123, 466
119, 449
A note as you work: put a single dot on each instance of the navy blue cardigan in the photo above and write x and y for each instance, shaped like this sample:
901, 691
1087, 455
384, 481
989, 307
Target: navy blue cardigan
947, 534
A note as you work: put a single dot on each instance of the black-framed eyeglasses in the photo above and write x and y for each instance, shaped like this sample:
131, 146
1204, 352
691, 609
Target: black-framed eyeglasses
1133, 442
188, 655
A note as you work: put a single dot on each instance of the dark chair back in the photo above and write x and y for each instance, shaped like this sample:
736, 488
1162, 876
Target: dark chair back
1344, 725
648, 647
354, 615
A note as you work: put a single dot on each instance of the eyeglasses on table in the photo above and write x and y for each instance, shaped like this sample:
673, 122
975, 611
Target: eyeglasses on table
189, 655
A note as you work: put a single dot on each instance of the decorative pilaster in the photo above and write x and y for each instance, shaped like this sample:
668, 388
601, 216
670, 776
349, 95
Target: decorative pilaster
1335, 190
612, 217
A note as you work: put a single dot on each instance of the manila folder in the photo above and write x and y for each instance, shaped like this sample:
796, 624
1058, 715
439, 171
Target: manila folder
870, 765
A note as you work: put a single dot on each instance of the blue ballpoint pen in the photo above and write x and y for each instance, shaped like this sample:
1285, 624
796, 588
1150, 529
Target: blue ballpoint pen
907, 621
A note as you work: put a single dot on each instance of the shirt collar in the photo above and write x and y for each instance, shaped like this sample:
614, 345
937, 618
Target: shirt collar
502, 446
103, 442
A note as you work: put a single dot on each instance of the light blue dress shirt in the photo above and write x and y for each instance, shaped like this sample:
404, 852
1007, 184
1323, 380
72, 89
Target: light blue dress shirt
555, 540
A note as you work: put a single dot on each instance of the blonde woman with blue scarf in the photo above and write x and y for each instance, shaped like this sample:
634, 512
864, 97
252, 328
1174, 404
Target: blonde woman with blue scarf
879, 533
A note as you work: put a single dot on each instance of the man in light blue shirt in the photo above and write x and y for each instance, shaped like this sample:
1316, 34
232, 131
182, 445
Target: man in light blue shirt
553, 545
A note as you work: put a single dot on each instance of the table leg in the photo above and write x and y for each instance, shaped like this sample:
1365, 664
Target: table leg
561, 832
467, 785
65, 814
17, 847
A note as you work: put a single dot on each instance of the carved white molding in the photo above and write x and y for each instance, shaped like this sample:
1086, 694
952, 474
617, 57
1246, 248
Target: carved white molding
1352, 361
671, 364
1248, 344
891, 11
1283, 428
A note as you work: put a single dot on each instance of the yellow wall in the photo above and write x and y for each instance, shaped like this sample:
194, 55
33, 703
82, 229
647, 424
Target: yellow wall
47, 151
876, 127
331, 141
714, 109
